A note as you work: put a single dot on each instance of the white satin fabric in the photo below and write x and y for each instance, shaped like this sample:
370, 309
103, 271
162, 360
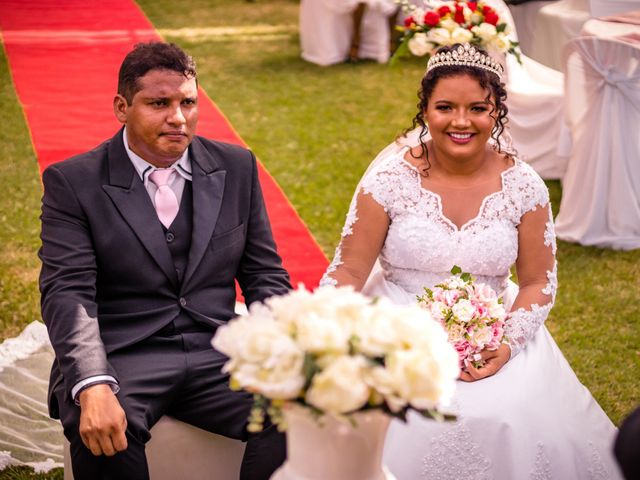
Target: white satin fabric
326, 27
534, 97
601, 190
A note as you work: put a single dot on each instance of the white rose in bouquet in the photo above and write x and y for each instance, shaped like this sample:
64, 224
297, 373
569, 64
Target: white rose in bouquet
419, 45
339, 387
439, 36
461, 35
485, 31
337, 352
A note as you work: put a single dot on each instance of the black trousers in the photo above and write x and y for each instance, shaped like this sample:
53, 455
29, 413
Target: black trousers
175, 372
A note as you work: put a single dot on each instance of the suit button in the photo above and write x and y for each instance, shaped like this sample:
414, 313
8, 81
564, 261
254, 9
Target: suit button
183, 302
170, 236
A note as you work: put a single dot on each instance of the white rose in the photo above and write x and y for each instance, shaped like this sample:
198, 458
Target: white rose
262, 356
463, 310
475, 18
439, 36
425, 378
485, 31
340, 387
384, 384
419, 45
449, 24
415, 328
437, 310
316, 334
418, 16
496, 310
456, 332
280, 378
467, 12
501, 43
482, 336
461, 35
456, 283
377, 332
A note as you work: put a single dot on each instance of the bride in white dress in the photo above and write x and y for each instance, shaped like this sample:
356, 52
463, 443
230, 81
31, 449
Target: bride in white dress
462, 198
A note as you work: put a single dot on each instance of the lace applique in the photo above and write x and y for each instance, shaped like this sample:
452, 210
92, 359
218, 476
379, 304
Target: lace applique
542, 467
352, 218
550, 234
597, 469
552, 282
522, 325
454, 455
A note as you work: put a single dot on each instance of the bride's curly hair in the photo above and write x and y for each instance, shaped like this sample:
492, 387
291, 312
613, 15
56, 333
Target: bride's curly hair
489, 81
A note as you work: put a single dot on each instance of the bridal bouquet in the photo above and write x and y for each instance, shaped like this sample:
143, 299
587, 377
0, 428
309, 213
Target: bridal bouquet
441, 23
336, 352
471, 313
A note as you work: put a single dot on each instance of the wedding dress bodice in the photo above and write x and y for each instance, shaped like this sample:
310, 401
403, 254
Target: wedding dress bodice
422, 244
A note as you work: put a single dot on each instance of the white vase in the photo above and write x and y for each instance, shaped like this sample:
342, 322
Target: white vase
328, 448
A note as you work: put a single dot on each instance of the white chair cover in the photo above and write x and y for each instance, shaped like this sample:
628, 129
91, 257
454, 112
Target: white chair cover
181, 451
600, 8
556, 24
601, 190
534, 98
326, 27
524, 16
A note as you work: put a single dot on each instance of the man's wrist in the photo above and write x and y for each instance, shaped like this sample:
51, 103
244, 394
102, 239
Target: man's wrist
90, 382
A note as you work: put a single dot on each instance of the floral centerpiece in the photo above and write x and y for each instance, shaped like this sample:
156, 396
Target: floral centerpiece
335, 351
471, 313
441, 23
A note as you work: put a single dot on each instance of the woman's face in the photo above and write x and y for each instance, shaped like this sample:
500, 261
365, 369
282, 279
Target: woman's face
458, 115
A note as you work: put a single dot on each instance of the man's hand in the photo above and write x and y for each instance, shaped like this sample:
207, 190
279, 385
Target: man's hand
494, 361
102, 421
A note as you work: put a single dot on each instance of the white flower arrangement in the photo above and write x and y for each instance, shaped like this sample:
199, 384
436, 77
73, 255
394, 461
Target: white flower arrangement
336, 352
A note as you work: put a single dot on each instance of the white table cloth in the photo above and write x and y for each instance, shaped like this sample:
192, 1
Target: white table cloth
556, 24
326, 27
601, 190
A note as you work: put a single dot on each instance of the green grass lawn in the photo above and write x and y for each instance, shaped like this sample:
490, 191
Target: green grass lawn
316, 129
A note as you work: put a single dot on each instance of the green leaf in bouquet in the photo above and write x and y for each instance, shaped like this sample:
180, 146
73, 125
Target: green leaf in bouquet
402, 51
466, 277
309, 369
433, 414
456, 270
501, 27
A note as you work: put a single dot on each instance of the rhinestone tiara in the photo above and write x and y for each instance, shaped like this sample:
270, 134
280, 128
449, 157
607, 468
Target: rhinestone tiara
466, 55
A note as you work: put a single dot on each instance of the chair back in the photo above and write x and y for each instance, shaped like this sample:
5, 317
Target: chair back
600, 8
601, 189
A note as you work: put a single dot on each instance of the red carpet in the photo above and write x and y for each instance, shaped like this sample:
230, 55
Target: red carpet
64, 58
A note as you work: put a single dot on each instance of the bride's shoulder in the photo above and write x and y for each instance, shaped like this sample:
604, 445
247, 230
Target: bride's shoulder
523, 181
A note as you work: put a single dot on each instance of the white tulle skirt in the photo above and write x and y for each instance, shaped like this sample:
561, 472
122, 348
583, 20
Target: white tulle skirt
532, 420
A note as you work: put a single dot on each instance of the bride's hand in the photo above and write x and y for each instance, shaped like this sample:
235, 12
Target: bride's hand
494, 361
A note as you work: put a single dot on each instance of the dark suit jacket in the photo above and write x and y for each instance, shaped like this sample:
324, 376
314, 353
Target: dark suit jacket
108, 278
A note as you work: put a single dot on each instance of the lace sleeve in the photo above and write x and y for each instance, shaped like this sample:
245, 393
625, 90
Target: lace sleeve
364, 230
536, 266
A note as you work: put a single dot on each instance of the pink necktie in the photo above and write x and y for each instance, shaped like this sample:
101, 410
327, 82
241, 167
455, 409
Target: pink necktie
166, 200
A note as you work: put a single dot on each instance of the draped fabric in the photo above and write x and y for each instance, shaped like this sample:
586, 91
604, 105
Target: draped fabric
601, 190
326, 27
556, 24
534, 98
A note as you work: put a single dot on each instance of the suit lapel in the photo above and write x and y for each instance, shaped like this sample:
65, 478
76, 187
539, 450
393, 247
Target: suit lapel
208, 190
132, 201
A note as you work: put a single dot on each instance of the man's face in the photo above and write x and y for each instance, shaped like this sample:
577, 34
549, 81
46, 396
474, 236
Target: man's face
161, 119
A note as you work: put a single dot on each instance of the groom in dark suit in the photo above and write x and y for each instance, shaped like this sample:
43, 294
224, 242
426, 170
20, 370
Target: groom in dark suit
142, 241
